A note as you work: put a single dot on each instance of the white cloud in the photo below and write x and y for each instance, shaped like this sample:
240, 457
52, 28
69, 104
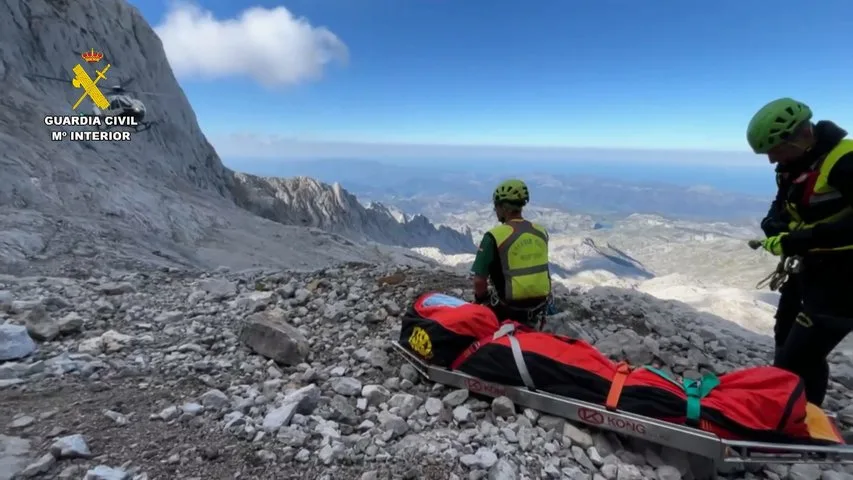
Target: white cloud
270, 46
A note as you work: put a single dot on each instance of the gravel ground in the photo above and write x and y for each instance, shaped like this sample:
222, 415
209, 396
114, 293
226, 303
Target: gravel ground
280, 375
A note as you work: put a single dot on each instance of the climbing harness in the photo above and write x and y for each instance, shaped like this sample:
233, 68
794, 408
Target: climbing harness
786, 266
535, 315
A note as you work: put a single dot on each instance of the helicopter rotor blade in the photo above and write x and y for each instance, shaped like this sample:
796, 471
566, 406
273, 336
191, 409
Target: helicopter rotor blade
47, 77
128, 82
151, 93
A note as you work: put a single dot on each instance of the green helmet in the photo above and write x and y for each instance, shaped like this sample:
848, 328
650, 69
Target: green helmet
512, 191
775, 122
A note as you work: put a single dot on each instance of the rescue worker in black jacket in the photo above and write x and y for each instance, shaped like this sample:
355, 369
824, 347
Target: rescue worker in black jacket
811, 218
774, 223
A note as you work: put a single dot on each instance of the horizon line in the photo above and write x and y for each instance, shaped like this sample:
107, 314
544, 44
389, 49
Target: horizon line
255, 146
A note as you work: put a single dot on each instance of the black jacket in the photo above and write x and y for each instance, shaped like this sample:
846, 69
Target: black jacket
826, 235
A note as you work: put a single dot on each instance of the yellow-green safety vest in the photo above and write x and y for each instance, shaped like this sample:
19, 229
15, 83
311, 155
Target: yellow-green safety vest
523, 251
823, 192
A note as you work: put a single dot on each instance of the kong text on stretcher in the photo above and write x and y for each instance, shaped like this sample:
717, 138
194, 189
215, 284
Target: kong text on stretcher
680, 437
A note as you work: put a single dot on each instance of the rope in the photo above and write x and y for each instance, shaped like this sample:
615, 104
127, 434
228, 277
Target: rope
775, 280
779, 276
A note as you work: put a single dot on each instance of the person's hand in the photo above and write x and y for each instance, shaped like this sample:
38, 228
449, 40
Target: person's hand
774, 244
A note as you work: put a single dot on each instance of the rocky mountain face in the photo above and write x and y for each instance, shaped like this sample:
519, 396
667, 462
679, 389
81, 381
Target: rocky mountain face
585, 255
308, 202
162, 198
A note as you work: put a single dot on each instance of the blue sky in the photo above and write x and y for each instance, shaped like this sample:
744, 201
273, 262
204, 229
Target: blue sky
656, 74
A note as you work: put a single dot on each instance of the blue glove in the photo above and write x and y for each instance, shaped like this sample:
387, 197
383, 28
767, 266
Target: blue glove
551, 309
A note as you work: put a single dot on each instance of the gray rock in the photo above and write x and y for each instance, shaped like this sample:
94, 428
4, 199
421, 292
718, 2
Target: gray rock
74, 472
577, 436
667, 472
375, 394
302, 401
15, 342
393, 424
346, 386
405, 403
503, 470
833, 475
40, 466
70, 446
433, 406
20, 422
113, 288
503, 407
843, 374
103, 472
117, 417
455, 398
267, 333
70, 324
628, 472
463, 414
169, 413
804, 471
581, 457
14, 455
483, 458
846, 415
218, 288
40, 326
574, 473
550, 422
193, 408
215, 399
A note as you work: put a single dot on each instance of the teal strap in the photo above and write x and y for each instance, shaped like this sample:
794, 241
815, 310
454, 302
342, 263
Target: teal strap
695, 390
661, 374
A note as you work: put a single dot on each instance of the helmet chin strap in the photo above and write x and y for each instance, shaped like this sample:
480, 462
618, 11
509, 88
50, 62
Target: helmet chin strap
807, 143
805, 148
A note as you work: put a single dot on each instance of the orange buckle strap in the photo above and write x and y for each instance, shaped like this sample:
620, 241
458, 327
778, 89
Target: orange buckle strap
623, 369
464, 355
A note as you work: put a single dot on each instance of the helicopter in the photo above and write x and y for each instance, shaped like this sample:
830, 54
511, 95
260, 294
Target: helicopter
122, 103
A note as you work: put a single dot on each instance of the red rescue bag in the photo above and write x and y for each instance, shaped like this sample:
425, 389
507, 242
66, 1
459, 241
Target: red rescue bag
552, 363
759, 404
764, 404
439, 327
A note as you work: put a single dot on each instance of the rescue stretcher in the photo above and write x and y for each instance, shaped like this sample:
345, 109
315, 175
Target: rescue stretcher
719, 452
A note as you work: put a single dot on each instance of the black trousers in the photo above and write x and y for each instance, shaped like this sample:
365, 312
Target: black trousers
814, 315
531, 317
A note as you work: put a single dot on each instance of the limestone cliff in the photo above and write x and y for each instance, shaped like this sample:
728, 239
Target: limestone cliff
163, 197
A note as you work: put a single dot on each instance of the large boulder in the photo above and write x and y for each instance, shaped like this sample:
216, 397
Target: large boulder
267, 333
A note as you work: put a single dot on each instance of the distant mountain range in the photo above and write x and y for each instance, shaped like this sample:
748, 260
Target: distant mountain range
307, 202
427, 190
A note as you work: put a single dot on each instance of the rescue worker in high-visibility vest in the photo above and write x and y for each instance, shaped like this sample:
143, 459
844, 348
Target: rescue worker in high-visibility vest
814, 165
514, 256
